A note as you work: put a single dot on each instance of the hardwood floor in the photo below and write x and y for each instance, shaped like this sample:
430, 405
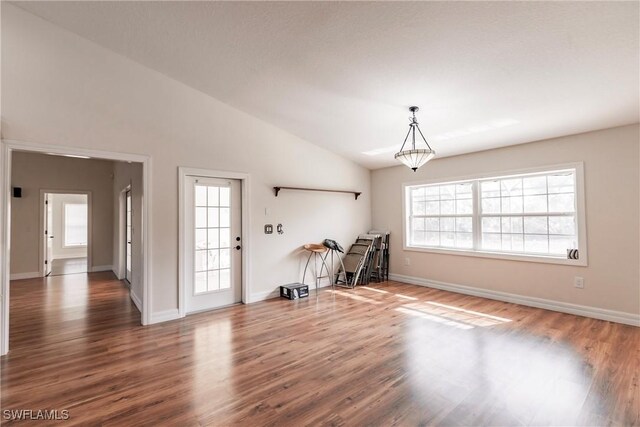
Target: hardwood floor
68, 266
388, 354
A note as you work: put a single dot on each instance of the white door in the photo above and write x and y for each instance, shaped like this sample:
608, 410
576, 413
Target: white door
128, 236
48, 234
213, 246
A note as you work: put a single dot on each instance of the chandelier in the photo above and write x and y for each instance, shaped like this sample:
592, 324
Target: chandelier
414, 157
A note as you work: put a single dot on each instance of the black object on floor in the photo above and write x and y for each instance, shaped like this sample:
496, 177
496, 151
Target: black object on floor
294, 291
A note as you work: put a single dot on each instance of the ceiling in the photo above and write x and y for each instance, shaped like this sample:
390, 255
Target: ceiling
342, 74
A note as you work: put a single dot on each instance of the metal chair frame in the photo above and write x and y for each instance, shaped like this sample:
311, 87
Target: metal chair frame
357, 273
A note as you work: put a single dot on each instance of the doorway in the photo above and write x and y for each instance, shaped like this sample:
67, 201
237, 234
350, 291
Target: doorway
213, 248
213, 238
128, 234
65, 233
8, 252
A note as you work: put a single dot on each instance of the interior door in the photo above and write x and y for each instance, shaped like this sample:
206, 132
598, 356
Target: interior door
213, 246
48, 234
128, 236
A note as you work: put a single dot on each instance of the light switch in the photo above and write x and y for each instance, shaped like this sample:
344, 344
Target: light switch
268, 229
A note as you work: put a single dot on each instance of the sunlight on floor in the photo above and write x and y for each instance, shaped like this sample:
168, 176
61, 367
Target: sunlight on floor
435, 311
212, 360
355, 297
531, 380
421, 314
406, 297
470, 314
386, 292
443, 313
374, 289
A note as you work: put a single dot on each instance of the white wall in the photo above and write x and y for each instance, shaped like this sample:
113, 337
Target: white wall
612, 215
124, 175
35, 172
61, 89
59, 250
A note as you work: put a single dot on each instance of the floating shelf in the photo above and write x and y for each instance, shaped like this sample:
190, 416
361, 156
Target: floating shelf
355, 193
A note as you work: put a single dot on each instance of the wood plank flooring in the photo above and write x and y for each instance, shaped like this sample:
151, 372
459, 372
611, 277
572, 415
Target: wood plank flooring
68, 266
387, 354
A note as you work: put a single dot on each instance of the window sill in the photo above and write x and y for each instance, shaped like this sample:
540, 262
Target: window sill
503, 256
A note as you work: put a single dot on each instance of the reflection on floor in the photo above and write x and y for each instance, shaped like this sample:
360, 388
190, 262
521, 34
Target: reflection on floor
385, 354
68, 266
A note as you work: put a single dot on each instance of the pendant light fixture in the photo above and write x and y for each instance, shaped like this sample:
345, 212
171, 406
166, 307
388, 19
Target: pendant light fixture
414, 157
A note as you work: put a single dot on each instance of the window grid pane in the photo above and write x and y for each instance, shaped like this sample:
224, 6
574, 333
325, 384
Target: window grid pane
545, 223
212, 241
442, 216
526, 214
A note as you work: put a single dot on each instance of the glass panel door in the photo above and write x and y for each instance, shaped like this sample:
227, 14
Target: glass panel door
212, 229
212, 242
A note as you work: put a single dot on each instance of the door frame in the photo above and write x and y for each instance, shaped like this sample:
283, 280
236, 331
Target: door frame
7, 147
43, 241
245, 188
120, 260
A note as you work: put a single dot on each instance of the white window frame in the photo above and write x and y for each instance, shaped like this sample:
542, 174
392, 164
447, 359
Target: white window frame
581, 227
66, 245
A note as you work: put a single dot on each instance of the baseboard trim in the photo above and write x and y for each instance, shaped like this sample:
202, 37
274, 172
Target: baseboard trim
21, 276
136, 300
98, 268
67, 256
263, 296
115, 273
165, 316
122, 279
563, 307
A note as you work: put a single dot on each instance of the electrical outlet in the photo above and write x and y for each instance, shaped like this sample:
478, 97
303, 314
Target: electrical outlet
407, 261
578, 282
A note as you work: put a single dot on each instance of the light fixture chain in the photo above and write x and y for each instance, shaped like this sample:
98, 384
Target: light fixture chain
413, 137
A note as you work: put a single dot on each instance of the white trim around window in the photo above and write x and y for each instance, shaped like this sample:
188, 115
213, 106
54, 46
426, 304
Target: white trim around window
472, 241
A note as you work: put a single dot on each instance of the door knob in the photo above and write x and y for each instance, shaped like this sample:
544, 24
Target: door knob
238, 247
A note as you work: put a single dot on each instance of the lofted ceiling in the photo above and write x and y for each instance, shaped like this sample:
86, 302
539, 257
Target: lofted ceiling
342, 74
